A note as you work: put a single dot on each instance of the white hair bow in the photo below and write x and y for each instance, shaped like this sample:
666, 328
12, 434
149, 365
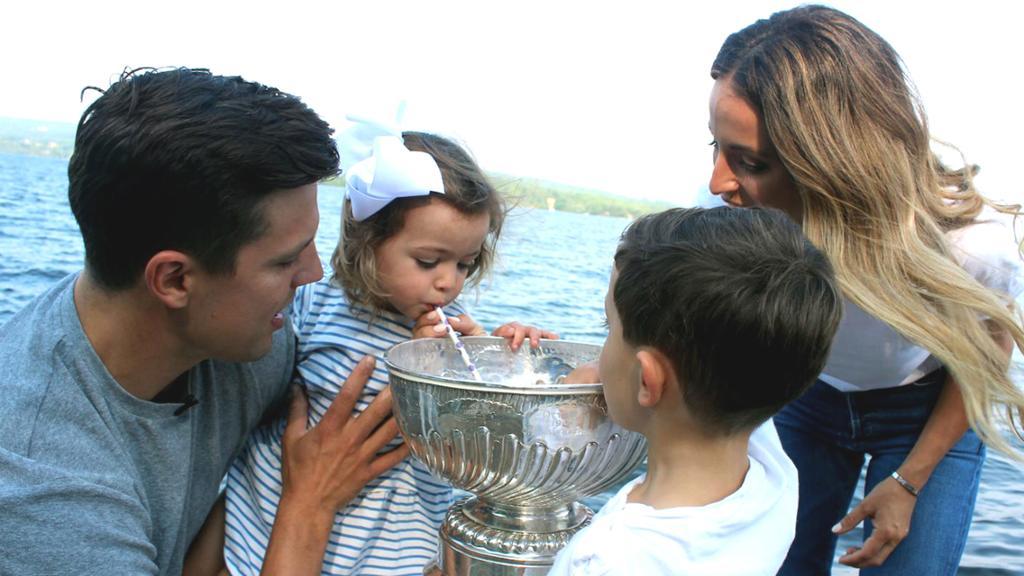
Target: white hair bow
379, 168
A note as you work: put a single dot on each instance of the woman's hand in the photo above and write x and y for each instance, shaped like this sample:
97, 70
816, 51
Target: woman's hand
516, 333
429, 325
890, 507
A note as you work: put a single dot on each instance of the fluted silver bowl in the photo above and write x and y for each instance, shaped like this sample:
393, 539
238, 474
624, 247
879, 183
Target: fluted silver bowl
519, 439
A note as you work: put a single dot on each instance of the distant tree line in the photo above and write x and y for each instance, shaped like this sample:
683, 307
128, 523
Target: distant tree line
545, 194
30, 147
518, 191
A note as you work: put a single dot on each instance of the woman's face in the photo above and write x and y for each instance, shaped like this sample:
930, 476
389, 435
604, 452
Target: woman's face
747, 171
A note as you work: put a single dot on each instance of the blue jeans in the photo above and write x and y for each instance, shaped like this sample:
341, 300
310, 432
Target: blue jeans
827, 433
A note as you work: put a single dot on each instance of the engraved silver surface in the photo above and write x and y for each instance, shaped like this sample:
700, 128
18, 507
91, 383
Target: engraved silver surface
524, 444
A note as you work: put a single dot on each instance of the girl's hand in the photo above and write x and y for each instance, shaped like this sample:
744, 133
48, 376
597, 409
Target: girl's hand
429, 325
516, 333
890, 508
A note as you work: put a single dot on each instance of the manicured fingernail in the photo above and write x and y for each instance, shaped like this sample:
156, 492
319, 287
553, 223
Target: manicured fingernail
438, 328
837, 527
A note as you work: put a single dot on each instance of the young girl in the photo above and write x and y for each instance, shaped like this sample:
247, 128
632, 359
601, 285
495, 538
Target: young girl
420, 221
812, 113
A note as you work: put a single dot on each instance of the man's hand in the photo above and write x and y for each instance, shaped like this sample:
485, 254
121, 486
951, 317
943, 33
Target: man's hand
516, 333
337, 457
325, 467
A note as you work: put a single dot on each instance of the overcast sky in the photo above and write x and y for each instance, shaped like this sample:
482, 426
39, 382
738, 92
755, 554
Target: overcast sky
599, 94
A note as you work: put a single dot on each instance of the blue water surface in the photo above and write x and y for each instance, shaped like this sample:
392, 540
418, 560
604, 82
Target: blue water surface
552, 271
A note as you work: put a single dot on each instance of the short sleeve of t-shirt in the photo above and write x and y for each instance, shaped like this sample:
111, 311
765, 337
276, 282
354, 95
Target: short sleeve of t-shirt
53, 523
990, 253
869, 354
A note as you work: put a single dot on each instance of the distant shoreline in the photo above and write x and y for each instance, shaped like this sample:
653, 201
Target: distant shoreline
36, 137
35, 147
56, 140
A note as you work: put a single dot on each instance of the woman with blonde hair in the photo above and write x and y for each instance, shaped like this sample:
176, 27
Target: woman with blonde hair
812, 113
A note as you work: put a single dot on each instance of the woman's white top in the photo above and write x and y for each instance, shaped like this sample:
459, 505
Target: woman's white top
868, 354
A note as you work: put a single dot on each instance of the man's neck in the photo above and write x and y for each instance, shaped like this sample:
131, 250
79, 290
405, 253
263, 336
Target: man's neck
688, 468
130, 333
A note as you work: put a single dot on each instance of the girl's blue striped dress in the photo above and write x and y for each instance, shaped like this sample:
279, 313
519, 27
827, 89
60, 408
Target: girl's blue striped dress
391, 527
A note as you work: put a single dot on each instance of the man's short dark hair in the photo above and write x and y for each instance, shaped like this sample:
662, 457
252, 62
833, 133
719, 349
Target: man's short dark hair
181, 159
739, 300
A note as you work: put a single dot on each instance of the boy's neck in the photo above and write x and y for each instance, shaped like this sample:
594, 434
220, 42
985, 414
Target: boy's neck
686, 467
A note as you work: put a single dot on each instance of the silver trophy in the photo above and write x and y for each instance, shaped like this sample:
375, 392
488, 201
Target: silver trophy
524, 444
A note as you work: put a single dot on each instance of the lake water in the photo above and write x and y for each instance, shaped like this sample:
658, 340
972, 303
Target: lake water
553, 271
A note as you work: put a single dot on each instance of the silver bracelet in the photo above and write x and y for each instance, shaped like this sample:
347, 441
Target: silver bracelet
906, 485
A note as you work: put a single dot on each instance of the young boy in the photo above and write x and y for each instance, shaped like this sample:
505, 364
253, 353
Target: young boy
716, 319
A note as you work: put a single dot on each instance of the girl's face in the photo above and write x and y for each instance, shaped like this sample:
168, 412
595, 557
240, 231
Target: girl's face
747, 171
425, 264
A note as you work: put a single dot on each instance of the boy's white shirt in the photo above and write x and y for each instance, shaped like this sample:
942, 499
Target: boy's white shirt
748, 532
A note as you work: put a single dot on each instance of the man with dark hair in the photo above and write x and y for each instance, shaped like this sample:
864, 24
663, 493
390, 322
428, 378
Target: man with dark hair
128, 388
716, 319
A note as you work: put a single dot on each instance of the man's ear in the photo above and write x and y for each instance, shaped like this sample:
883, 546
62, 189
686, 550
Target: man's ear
655, 372
168, 277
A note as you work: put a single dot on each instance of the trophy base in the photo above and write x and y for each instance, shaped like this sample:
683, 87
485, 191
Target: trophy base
469, 547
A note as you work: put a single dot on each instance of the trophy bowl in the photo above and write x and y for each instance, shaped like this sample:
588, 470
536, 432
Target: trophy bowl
526, 445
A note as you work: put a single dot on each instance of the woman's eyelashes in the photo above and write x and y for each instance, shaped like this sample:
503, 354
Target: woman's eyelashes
745, 163
752, 166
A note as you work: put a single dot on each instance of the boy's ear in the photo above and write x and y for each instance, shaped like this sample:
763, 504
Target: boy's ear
655, 372
168, 277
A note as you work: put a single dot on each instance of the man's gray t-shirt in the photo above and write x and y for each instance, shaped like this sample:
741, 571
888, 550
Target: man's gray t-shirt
96, 481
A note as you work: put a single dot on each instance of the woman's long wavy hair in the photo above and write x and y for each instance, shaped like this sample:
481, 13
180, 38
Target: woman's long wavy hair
466, 188
848, 126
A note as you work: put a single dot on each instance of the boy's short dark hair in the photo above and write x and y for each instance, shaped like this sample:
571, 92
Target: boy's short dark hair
739, 300
182, 159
